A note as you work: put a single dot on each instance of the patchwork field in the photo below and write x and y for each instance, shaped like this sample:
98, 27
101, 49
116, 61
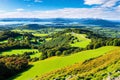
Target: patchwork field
54, 63
39, 35
21, 51
22, 31
34, 32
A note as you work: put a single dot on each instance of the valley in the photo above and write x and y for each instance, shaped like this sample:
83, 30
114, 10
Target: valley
35, 53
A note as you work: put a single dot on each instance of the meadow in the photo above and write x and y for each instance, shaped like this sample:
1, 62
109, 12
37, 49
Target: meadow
100, 68
22, 31
39, 35
21, 51
82, 40
54, 63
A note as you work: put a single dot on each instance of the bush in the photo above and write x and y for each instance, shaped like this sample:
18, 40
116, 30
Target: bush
10, 66
58, 53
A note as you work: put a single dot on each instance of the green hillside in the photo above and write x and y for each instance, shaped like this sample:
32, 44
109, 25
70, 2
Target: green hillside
54, 63
104, 67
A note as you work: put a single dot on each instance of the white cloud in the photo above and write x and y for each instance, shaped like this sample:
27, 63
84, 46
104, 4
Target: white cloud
92, 2
102, 3
110, 3
66, 13
1, 11
117, 8
20, 9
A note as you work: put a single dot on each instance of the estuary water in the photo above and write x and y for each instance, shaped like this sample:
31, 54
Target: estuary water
22, 22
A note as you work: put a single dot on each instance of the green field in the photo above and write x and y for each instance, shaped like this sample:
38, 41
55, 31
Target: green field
39, 35
34, 32
83, 41
36, 55
54, 63
21, 51
99, 67
48, 39
5, 41
22, 31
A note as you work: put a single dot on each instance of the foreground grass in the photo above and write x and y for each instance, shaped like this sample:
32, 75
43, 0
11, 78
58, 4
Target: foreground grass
21, 51
54, 63
83, 41
100, 68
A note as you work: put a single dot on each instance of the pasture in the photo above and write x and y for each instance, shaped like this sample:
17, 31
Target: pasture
54, 63
21, 51
82, 40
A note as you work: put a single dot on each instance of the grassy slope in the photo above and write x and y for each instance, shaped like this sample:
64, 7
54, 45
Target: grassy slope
54, 63
95, 69
21, 51
83, 41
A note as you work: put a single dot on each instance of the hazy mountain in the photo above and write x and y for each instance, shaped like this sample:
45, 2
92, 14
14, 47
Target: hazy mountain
99, 22
84, 21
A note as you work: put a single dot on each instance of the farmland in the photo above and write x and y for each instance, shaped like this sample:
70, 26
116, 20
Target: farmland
21, 51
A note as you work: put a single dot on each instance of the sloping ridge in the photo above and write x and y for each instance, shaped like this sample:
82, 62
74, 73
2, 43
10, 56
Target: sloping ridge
99, 68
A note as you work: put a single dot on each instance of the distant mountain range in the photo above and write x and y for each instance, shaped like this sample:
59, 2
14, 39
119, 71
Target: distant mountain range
84, 21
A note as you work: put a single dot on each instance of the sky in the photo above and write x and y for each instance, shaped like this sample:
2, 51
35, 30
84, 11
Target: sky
104, 9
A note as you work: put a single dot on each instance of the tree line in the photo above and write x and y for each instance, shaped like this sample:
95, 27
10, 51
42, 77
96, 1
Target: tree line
6, 34
59, 45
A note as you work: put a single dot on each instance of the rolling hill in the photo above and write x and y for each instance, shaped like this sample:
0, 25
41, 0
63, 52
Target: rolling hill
54, 63
105, 67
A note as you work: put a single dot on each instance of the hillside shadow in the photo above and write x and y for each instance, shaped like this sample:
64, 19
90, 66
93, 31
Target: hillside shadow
20, 73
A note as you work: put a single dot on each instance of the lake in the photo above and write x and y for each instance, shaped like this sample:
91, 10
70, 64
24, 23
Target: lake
23, 22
